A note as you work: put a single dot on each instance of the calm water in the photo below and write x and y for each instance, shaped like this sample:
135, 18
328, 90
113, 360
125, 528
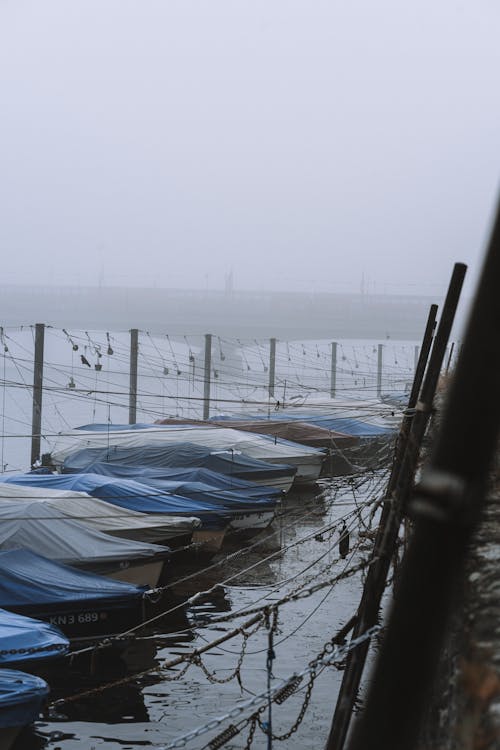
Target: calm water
151, 711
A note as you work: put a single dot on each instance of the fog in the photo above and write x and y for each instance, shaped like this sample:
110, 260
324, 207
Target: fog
287, 145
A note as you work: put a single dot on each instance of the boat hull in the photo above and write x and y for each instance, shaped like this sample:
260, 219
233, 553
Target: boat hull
139, 571
90, 618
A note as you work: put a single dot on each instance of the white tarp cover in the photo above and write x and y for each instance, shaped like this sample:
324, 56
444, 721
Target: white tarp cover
100, 515
39, 528
215, 438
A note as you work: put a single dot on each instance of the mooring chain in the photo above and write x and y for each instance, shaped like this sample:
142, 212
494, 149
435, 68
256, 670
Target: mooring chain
237, 671
332, 653
189, 659
34, 649
291, 688
302, 712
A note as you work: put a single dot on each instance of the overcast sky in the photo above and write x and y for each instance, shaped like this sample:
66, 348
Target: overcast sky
302, 144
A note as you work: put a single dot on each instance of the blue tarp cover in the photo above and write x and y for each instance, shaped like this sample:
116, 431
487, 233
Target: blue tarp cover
128, 494
347, 425
212, 478
20, 632
30, 579
21, 697
185, 455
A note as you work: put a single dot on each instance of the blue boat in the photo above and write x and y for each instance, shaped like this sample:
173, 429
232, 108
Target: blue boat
207, 476
82, 605
188, 456
22, 697
25, 639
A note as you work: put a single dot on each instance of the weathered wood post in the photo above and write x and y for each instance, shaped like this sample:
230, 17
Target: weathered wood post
36, 420
132, 397
272, 366
333, 370
206, 383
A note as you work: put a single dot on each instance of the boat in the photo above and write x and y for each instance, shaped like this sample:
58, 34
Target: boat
24, 639
246, 514
81, 604
34, 526
22, 697
141, 498
186, 456
308, 461
210, 503
291, 430
213, 478
174, 531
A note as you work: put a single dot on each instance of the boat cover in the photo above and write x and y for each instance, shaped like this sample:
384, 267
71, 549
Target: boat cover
185, 455
349, 425
290, 430
189, 494
21, 697
33, 638
262, 447
42, 529
30, 579
136, 496
213, 478
93, 512
232, 500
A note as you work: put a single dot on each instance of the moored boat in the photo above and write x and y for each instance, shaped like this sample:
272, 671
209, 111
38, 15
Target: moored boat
83, 605
24, 639
308, 461
95, 513
33, 526
22, 697
183, 455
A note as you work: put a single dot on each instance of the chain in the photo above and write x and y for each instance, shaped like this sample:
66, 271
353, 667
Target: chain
329, 654
307, 697
33, 649
166, 665
237, 672
302, 712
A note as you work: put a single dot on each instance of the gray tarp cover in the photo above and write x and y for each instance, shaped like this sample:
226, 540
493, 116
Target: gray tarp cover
37, 527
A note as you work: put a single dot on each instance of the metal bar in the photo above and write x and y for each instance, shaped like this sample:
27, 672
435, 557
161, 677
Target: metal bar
206, 383
379, 370
333, 370
36, 420
272, 366
446, 509
132, 398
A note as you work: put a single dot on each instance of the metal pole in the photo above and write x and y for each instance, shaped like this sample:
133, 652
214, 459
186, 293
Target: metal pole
208, 365
132, 398
446, 509
36, 420
333, 371
379, 370
415, 357
272, 365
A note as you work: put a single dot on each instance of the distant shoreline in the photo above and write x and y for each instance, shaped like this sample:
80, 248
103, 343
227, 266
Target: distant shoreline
285, 315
